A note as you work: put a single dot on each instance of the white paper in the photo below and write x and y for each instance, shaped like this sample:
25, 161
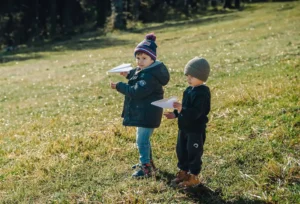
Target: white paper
121, 68
165, 103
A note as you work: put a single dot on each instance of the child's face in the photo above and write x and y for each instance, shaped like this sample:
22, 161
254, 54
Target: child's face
193, 81
143, 60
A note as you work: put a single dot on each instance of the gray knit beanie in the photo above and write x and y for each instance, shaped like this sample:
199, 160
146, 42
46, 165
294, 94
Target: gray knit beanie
197, 67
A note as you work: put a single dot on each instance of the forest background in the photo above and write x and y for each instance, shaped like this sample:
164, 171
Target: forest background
34, 21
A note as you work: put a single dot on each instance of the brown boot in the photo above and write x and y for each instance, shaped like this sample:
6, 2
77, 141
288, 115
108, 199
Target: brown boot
180, 176
192, 180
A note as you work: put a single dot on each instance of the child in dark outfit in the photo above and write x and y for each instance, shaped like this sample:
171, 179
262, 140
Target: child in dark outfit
145, 85
192, 119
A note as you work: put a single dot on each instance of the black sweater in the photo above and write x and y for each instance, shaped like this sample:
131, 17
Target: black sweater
195, 108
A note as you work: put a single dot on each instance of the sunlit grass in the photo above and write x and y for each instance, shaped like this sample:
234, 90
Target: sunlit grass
61, 138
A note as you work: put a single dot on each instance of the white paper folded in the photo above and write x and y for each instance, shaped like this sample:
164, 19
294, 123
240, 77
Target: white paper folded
121, 68
165, 103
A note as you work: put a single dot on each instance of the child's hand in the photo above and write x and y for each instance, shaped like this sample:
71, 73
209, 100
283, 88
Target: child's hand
113, 85
124, 74
169, 115
177, 106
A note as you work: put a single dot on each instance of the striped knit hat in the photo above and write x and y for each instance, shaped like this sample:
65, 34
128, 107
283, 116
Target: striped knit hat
147, 46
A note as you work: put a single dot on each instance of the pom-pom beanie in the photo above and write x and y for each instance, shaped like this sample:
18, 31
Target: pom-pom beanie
147, 46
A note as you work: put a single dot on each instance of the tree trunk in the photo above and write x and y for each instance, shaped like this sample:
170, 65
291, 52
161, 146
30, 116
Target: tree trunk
53, 18
101, 12
214, 4
227, 4
8, 29
204, 5
43, 16
186, 7
136, 9
182, 6
117, 14
37, 20
67, 16
237, 4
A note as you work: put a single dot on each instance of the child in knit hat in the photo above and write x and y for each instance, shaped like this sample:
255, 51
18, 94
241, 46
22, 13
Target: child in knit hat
145, 85
192, 118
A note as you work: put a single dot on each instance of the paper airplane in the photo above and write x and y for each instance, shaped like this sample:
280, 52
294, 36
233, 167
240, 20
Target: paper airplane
121, 68
165, 103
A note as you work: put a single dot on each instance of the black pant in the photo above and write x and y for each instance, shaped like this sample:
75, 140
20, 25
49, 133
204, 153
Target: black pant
189, 150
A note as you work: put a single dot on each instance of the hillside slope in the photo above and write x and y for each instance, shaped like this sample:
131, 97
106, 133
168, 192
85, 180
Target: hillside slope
61, 135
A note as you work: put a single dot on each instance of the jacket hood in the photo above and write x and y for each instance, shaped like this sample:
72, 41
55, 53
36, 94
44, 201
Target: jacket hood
159, 71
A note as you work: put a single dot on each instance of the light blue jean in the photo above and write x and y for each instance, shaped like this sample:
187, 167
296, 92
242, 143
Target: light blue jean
143, 143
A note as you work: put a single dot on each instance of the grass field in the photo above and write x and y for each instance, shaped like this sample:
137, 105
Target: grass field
62, 139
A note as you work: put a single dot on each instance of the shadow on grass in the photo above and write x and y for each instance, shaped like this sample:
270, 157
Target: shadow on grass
199, 193
10, 58
209, 16
202, 193
75, 44
186, 22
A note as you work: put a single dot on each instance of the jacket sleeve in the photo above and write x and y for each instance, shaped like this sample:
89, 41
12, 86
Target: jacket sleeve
176, 113
130, 74
197, 109
141, 89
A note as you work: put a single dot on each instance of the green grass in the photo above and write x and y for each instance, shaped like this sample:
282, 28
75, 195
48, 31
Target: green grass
61, 138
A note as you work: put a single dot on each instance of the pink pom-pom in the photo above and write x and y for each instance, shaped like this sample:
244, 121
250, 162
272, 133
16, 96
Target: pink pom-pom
151, 36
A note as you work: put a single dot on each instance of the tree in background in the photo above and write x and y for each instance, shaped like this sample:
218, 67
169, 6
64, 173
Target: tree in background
228, 4
118, 19
102, 12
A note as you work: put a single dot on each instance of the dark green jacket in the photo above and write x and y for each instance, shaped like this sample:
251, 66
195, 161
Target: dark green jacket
143, 88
